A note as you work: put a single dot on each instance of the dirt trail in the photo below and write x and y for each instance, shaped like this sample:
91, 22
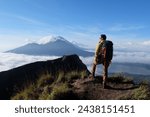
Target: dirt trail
93, 90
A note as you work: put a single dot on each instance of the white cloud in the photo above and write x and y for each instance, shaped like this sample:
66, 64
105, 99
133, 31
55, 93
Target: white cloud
29, 20
119, 63
22, 18
120, 27
9, 61
133, 57
147, 43
132, 46
121, 57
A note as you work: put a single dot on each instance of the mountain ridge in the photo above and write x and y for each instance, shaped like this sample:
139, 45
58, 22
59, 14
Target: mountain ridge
57, 46
18, 77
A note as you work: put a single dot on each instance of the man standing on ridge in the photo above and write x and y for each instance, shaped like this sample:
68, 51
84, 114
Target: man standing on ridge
103, 55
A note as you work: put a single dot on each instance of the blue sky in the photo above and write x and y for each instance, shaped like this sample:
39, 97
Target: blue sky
124, 21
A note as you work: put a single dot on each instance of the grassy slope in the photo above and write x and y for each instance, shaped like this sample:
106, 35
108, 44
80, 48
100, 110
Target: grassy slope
77, 86
48, 87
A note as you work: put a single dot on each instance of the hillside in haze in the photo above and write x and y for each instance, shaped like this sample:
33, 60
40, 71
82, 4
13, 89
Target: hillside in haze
52, 46
66, 78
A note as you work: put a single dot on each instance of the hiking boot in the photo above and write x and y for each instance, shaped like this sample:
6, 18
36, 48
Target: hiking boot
91, 76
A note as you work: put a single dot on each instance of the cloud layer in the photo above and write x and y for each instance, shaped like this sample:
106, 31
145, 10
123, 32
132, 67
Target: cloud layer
10, 60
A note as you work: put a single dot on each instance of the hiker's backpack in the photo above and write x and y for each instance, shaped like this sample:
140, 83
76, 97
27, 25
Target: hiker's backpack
109, 49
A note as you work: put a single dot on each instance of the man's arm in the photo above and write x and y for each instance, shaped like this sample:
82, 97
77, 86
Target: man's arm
97, 51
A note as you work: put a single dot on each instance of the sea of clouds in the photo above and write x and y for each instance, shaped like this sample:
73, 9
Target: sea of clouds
125, 62
11, 60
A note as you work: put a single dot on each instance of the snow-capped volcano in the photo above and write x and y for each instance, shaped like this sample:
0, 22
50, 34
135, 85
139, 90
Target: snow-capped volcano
53, 46
49, 39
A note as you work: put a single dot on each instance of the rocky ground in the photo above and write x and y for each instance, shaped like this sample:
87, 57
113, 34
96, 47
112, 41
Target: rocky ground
93, 89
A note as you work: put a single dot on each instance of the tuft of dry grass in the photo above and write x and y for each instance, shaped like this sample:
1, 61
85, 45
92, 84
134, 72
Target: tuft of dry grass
59, 92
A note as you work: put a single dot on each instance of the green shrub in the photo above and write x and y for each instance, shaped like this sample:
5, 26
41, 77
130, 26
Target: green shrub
59, 92
141, 93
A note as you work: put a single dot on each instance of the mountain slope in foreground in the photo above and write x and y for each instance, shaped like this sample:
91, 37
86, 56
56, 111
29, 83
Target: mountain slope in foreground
65, 78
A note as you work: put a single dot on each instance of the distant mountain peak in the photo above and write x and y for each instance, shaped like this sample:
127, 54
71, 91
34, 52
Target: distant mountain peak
48, 39
52, 46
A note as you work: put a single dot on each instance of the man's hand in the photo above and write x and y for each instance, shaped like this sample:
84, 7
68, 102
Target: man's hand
95, 60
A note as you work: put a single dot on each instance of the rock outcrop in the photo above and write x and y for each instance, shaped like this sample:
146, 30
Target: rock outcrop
18, 77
